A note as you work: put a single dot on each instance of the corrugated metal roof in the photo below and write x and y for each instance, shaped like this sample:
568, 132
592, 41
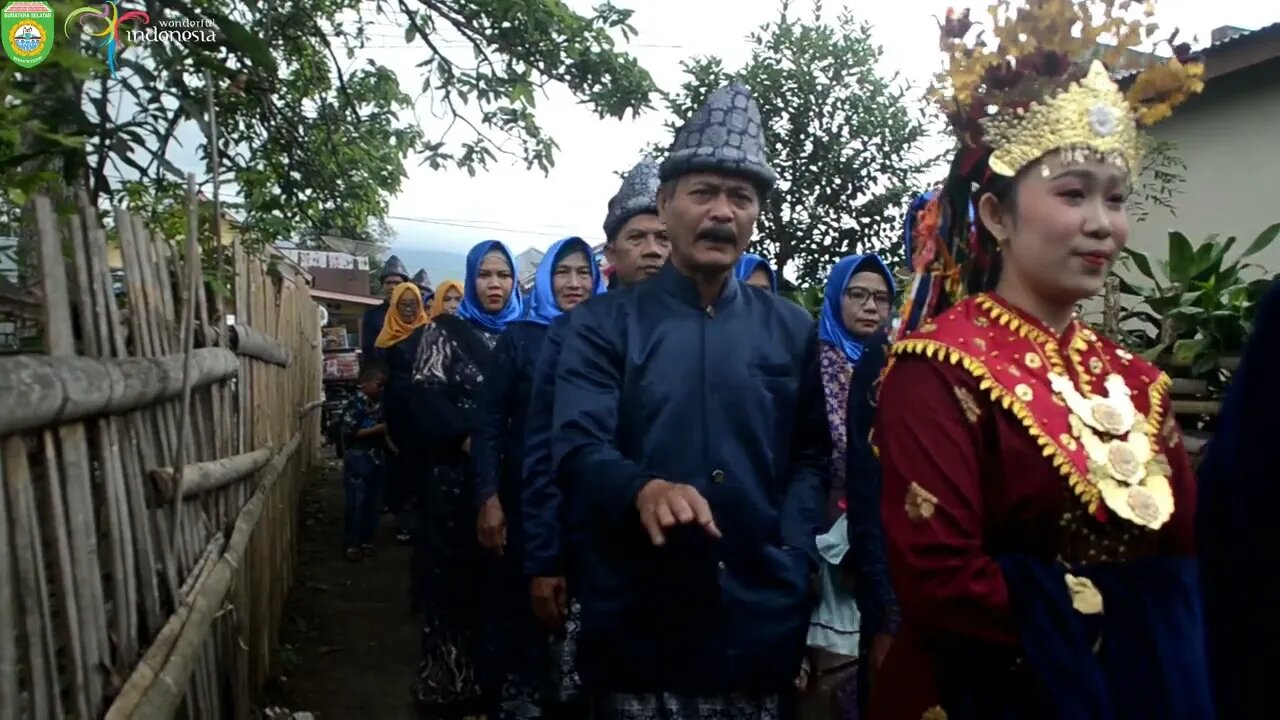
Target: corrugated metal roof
1241, 35
1124, 75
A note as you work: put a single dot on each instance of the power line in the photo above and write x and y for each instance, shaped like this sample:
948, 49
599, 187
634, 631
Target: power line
496, 228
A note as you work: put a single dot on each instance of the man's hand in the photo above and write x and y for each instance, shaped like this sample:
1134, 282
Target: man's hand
664, 505
550, 597
491, 526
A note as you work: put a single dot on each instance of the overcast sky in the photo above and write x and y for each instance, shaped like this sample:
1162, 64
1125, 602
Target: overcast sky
449, 210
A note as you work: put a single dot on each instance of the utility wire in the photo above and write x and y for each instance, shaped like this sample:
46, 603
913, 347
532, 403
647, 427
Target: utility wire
492, 228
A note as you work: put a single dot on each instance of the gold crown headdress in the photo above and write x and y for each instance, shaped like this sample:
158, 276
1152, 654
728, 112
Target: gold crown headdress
1044, 85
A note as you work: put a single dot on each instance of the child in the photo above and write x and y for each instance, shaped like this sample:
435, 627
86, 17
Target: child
363, 435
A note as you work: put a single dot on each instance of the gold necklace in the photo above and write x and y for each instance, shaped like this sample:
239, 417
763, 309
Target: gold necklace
1131, 477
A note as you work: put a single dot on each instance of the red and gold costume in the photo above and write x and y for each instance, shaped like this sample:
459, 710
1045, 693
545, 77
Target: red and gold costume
981, 456
1037, 502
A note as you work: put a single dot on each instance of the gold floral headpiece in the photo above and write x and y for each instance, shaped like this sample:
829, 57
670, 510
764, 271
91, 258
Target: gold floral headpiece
1043, 86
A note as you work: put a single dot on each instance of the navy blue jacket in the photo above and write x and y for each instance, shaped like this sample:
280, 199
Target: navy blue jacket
370, 326
728, 399
1236, 520
872, 590
543, 496
498, 443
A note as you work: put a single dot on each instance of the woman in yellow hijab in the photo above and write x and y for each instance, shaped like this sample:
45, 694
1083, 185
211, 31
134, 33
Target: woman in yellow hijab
405, 315
448, 297
397, 347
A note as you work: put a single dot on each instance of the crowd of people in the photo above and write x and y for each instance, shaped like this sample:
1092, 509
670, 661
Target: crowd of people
667, 492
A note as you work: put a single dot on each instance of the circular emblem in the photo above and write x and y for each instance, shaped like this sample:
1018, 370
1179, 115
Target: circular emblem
1107, 417
27, 38
1143, 505
1123, 461
1102, 118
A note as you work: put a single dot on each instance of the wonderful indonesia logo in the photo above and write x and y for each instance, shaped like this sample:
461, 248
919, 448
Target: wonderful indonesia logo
116, 28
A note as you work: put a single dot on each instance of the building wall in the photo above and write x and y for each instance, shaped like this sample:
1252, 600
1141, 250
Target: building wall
1229, 137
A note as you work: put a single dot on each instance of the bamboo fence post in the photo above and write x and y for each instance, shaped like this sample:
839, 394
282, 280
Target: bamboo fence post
90, 649
8, 615
106, 448
42, 661
139, 522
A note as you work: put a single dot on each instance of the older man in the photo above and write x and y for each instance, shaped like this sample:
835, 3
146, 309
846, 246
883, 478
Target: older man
393, 273
636, 247
689, 424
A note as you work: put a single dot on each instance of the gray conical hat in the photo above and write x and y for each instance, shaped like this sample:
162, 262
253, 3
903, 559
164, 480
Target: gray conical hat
393, 266
724, 136
638, 194
420, 278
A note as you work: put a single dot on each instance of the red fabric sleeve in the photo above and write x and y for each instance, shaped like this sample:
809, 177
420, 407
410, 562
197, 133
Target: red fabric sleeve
946, 584
1179, 535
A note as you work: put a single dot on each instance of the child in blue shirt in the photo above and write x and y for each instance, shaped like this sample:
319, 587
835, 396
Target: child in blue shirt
364, 436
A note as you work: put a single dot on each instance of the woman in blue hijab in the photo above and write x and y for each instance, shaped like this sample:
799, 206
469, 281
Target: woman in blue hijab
755, 271
447, 377
516, 649
855, 308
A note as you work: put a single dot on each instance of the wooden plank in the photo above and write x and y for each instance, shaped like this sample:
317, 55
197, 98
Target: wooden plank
1197, 407
1187, 386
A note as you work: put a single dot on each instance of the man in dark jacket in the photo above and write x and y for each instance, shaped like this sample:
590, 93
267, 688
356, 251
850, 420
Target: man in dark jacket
393, 273
689, 424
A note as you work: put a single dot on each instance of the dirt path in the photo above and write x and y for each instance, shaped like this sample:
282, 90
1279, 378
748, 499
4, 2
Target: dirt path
348, 648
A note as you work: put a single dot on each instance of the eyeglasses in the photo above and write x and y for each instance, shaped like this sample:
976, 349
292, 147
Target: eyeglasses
860, 295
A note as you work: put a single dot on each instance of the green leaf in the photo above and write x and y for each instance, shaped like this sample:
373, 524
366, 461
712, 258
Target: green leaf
1181, 258
1142, 262
1260, 243
1153, 354
1187, 350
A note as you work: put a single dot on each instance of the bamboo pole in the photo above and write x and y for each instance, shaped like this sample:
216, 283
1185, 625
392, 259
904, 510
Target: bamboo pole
148, 667
164, 694
106, 457
9, 600
188, 330
134, 446
91, 648
53, 390
209, 475
42, 662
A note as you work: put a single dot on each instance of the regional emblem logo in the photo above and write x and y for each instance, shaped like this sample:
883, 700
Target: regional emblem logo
26, 27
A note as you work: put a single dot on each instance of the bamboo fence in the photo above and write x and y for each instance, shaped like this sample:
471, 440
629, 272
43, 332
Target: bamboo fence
151, 461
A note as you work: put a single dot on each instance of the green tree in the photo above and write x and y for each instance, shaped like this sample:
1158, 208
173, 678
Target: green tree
1160, 180
309, 135
845, 140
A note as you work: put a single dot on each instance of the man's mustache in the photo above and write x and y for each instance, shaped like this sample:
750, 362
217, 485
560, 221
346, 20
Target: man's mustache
719, 233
